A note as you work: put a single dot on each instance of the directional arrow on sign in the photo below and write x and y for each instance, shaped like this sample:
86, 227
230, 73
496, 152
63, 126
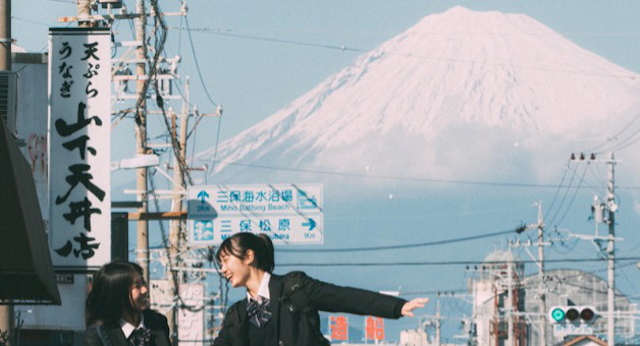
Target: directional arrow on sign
203, 196
311, 224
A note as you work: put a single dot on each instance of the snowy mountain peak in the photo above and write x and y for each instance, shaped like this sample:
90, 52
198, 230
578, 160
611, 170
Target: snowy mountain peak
453, 80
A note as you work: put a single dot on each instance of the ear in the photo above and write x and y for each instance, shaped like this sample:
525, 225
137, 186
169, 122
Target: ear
249, 257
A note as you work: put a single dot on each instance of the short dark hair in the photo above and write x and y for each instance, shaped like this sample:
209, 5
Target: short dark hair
261, 245
110, 295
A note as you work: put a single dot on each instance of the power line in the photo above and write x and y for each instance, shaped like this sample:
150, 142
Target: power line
359, 50
215, 105
30, 21
615, 136
447, 263
573, 199
564, 196
427, 180
274, 40
195, 59
403, 246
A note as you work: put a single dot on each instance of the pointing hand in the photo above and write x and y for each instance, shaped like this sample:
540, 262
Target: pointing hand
409, 306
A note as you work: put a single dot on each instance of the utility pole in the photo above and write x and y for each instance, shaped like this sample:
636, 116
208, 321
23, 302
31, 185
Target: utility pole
84, 11
7, 319
438, 324
598, 208
509, 304
612, 207
543, 303
176, 225
141, 138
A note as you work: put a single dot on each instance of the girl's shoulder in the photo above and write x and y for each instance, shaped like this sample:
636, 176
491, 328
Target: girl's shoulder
152, 319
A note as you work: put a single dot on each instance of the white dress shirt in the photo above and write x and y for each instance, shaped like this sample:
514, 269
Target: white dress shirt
128, 328
263, 290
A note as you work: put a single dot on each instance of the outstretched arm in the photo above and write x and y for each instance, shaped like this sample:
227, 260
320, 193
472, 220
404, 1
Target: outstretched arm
408, 307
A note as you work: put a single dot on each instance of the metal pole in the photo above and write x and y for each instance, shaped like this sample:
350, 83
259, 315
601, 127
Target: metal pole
611, 253
543, 303
7, 319
509, 305
438, 325
141, 139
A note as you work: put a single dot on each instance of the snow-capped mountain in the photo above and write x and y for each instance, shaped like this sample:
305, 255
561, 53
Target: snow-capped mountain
455, 96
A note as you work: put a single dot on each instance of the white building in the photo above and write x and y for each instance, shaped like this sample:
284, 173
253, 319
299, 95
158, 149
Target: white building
507, 304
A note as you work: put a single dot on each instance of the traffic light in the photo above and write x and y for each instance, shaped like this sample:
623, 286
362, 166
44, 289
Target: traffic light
572, 314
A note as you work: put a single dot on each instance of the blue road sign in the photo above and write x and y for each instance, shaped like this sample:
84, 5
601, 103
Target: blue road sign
311, 224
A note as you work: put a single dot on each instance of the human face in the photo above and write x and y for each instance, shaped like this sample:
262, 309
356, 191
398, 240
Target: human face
235, 269
139, 294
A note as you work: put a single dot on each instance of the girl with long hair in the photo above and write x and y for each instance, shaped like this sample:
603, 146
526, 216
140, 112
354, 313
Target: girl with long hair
118, 311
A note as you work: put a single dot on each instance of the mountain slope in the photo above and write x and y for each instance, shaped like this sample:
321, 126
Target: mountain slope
453, 96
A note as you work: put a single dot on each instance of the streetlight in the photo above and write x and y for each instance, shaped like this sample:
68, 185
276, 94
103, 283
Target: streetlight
139, 161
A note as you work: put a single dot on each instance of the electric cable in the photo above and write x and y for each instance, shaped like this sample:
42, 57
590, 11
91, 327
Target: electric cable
615, 136
431, 58
195, 59
448, 263
574, 194
564, 197
555, 196
215, 105
400, 246
388, 177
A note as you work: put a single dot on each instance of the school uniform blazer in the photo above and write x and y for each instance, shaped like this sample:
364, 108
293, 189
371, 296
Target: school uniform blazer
152, 320
292, 325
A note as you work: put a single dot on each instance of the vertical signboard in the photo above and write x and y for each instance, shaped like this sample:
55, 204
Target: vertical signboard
374, 328
79, 147
191, 316
338, 328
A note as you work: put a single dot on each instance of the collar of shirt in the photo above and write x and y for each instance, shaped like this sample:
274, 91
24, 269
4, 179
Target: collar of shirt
128, 328
263, 290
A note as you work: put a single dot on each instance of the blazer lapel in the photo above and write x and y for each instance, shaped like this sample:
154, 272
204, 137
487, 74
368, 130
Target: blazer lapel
117, 336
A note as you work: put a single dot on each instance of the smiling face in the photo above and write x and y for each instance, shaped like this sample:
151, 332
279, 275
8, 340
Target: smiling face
236, 270
139, 294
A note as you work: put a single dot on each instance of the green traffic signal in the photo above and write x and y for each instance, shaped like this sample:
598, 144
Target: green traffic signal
557, 314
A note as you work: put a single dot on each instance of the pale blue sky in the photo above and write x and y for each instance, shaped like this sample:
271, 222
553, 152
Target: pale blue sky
253, 78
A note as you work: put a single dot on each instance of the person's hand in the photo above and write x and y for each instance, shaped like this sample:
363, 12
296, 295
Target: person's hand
409, 306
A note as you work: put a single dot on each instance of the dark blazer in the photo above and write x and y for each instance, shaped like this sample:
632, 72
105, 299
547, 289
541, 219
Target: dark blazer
152, 320
293, 326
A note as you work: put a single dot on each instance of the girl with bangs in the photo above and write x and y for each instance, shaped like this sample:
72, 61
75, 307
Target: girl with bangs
118, 311
283, 310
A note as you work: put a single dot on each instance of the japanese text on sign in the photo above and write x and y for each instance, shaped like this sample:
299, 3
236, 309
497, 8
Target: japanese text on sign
287, 213
79, 151
374, 328
339, 327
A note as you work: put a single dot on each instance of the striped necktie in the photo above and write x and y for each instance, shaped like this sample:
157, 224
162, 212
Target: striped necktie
140, 337
258, 312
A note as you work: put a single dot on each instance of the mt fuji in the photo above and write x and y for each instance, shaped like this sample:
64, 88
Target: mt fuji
461, 96
455, 96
